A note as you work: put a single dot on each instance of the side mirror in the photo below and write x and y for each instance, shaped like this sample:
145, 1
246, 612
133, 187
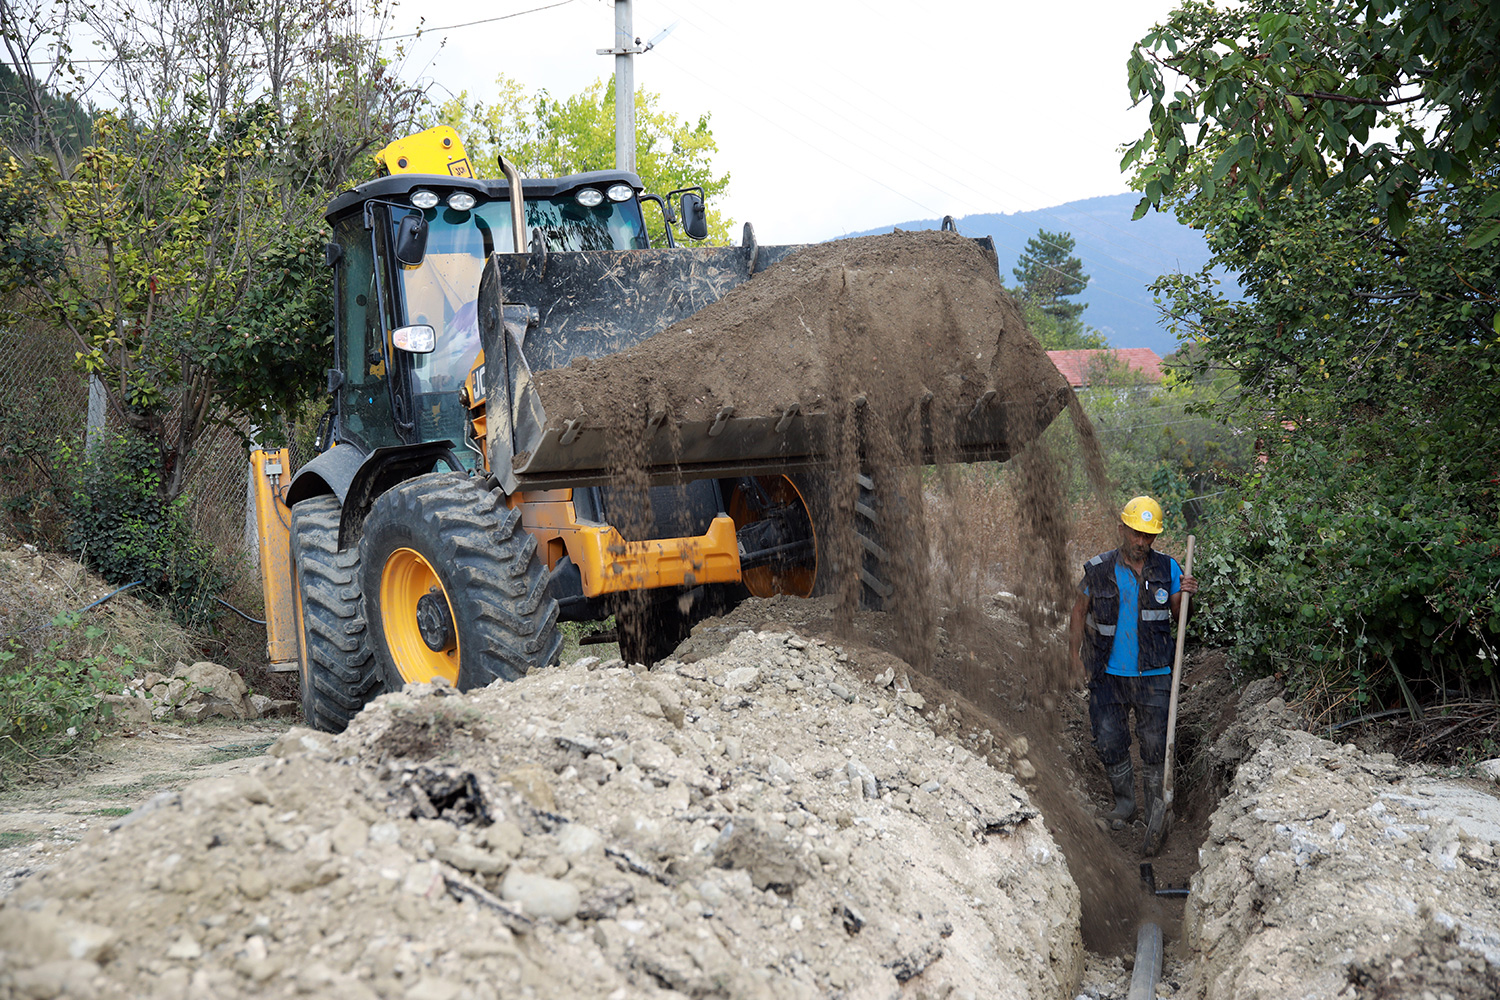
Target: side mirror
417, 339
411, 240
694, 219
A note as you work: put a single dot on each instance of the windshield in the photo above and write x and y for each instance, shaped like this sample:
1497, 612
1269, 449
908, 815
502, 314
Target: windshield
443, 292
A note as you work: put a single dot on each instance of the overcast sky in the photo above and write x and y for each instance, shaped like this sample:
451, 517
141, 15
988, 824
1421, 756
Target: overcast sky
834, 116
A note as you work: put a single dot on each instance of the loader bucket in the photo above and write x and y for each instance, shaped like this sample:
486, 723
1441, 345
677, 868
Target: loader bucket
683, 364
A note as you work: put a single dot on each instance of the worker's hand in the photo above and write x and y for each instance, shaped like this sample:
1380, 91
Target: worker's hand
1076, 674
1189, 585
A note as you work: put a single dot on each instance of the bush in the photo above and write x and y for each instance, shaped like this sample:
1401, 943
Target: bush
51, 703
1362, 588
123, 529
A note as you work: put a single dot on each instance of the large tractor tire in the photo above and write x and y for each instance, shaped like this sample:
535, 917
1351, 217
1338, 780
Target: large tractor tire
845, 543
338, 669
453, 586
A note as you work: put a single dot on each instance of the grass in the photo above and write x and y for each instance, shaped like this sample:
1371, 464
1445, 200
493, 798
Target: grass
145, 784
111, 811
218, 755
17, 838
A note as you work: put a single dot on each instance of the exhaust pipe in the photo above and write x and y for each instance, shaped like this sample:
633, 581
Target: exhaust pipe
517, 203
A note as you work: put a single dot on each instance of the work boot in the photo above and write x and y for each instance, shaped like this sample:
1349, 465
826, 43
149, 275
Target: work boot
1152, 779
1122, 780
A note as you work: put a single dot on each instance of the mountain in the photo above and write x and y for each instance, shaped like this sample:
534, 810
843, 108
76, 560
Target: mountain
1120, 257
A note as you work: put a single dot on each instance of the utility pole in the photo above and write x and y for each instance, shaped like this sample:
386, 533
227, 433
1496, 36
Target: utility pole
626, 47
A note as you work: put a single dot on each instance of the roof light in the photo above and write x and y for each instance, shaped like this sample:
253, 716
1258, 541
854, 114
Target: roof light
424, 199
460, 201
620, 192
589, 197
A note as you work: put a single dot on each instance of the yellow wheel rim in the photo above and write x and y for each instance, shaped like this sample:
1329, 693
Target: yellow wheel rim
768, 581
405, 580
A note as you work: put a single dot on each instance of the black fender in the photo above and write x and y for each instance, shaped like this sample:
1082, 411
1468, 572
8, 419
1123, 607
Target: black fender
358, 479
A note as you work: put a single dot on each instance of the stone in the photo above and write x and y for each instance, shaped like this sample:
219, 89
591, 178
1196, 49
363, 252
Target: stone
212, 690
468, 858
540, 896
129, 710
349, 835
575, 840
913, 700
742, 678
504, 838
66, 978
862, 778
434, 988
260, 706
533, 784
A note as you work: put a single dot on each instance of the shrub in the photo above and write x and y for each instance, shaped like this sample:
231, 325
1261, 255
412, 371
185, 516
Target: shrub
51, 703
1361, 587
125, 531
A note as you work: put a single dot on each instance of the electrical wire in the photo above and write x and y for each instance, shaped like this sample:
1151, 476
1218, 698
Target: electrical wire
937, 170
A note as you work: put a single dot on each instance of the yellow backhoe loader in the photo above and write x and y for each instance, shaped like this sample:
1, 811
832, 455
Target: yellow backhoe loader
455, 513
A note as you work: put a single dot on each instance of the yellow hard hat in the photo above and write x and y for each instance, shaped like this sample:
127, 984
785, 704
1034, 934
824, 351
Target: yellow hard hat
1143, 514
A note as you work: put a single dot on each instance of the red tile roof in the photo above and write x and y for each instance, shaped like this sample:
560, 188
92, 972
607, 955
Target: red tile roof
1075, 365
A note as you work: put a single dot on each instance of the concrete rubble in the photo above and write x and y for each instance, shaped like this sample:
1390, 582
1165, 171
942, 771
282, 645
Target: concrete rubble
760, 823
1329, 872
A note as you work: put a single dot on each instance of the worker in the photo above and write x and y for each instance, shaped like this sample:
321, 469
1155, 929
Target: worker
1120, 641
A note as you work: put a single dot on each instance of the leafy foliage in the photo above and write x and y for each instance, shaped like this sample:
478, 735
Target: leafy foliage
179, 250
1359, 556
1380, 95
123, 531
50, 698
548, 137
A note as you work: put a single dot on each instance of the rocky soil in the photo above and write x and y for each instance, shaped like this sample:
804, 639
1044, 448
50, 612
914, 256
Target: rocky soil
759, 823
1329, 872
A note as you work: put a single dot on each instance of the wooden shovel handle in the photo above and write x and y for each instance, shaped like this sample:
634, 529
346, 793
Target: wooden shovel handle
1182, 616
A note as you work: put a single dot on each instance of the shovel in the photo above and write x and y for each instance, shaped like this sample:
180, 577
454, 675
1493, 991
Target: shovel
1159, 813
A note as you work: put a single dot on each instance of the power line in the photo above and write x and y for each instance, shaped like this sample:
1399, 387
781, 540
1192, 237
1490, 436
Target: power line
245, 56
488, 20
949, 142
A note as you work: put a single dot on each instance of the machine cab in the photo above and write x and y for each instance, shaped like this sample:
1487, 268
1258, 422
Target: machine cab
408, 251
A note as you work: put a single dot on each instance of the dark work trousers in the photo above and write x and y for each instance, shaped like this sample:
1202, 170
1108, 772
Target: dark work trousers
1110, 700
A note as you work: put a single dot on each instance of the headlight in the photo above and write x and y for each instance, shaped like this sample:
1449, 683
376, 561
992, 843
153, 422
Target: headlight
589, 197
424, 199
460, 201
620, 192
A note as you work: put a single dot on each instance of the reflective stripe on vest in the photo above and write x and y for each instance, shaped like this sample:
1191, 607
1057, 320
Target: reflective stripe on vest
1101, 629
1156, 616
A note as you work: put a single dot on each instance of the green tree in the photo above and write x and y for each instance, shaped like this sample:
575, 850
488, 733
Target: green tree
180, 249
1362, 556
548, 137
1049, 276
1382, 95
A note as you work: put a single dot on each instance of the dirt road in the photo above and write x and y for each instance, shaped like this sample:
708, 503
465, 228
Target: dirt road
40, 822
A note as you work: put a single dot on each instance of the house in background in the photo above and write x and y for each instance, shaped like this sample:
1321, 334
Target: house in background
1080, 367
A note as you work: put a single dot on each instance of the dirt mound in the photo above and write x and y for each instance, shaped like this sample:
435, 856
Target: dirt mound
1326, 866
757, 823
888, 318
